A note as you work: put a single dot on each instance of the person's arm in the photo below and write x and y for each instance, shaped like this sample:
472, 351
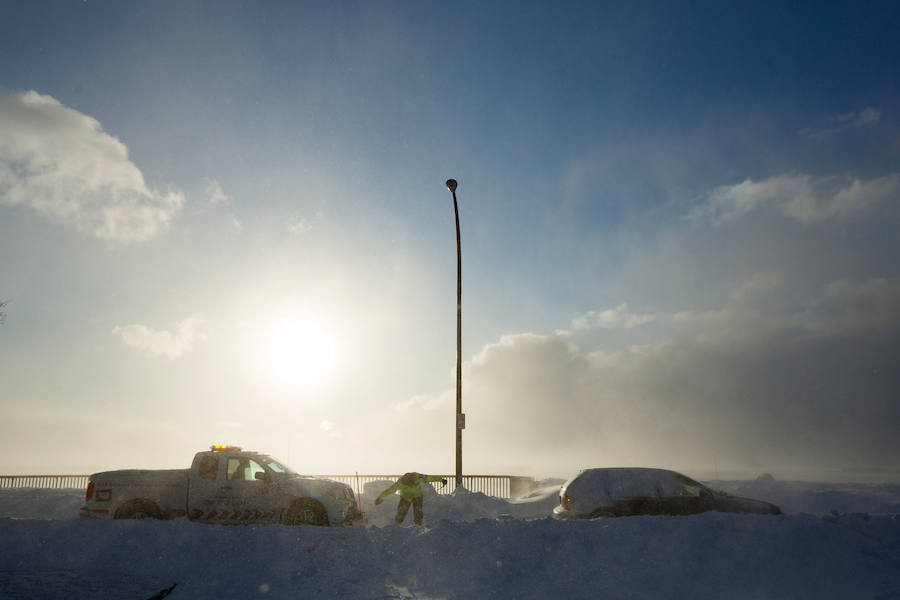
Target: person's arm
388, 491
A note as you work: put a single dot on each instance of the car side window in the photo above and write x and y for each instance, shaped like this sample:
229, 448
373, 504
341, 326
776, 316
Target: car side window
681, 486
253, 469
234, 470
208, 467
243, 469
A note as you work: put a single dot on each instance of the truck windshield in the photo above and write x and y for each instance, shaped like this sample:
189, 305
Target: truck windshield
276, 465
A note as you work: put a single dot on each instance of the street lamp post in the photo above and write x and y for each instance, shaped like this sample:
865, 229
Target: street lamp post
460, 417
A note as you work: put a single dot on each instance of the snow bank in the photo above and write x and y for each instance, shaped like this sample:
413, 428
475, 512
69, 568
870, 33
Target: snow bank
40, 504
819, 498
473, 546
461, 505
713, 555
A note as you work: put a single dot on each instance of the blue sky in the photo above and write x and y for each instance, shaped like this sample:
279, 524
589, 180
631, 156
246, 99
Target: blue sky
678, 222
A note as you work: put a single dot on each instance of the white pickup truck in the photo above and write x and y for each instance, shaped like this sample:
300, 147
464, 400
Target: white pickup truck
225, 485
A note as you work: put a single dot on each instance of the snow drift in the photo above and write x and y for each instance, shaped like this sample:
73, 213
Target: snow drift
473, 546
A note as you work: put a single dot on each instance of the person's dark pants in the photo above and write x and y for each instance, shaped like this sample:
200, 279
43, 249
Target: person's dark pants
403, 508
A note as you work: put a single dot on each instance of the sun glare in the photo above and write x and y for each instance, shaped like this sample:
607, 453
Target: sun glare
300, 354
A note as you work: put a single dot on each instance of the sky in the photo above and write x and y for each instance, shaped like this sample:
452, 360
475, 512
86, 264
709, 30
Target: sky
226, 222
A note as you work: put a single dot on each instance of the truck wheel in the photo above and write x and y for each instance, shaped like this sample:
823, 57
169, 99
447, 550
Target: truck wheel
138, 509
306, 512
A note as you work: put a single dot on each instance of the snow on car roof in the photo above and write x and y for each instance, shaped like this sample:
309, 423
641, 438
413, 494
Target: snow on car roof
618, 482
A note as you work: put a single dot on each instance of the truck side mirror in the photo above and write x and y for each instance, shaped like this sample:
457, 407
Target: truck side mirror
262, 476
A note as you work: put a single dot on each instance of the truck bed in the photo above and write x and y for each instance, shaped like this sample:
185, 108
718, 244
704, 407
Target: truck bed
143, 477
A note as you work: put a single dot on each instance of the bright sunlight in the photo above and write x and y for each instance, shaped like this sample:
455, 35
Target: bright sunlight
300, 354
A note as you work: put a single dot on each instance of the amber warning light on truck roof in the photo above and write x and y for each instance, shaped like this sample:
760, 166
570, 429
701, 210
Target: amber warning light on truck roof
217, 448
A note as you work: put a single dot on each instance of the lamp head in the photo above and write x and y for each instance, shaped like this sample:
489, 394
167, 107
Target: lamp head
451, 185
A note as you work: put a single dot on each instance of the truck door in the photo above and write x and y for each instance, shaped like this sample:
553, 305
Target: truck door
204, 493
247, 496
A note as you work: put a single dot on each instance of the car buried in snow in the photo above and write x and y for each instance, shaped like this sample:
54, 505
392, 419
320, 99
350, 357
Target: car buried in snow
225, 485
622, 492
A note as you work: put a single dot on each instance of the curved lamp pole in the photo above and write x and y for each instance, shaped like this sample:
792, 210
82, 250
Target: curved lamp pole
460, 417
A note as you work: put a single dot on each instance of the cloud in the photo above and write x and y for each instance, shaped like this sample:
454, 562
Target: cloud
744, 385
799, 197
236, 223
758, 285
59, 162
619, 316
216, 194
330, 428
865, 116
164, 343
216, 197
844, 308
298, 224
844, 122
850, 308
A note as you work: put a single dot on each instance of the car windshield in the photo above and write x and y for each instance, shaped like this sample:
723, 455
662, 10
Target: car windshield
276, 466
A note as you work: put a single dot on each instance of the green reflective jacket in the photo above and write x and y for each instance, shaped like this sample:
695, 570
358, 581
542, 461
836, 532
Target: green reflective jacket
412, 491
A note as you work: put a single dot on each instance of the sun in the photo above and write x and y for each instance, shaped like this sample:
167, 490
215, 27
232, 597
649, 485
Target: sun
300, 354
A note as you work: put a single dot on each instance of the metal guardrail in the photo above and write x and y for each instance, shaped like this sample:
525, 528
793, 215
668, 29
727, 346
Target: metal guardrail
500, 486
46, 482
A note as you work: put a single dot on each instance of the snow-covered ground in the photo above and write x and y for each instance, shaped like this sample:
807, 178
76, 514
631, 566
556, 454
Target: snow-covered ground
836, 541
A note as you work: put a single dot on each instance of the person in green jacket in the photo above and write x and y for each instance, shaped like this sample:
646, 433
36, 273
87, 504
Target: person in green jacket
410, 488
